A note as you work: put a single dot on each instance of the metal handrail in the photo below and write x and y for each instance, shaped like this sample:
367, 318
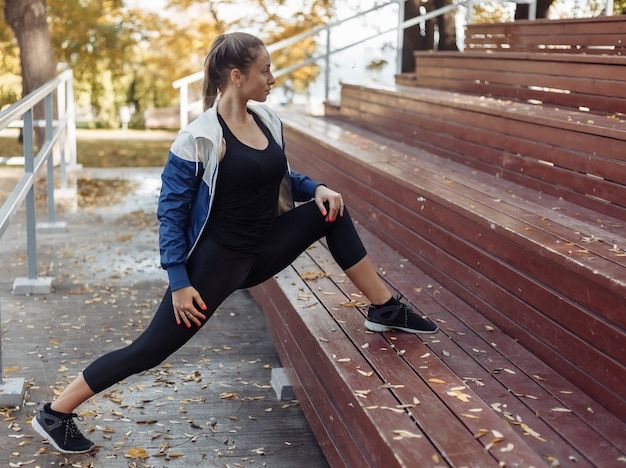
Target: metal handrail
59, 133
183, 83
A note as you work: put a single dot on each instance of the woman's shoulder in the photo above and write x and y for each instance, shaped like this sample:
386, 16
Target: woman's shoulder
202, 134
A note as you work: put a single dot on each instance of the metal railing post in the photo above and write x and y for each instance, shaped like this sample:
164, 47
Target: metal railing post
63, 140
71, 119
50, 165
327, 70
400, 36
24, 191
29, 169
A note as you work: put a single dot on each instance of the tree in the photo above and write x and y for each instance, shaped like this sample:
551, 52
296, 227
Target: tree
420, 37
28, 19
521, 9
416, 37
271, 20
121, 56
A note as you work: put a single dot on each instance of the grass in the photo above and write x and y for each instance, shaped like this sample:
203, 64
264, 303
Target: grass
107, 152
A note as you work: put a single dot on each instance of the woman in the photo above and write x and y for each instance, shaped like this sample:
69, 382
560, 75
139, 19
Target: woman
227, 222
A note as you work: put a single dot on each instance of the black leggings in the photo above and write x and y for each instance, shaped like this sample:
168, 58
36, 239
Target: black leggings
216, 272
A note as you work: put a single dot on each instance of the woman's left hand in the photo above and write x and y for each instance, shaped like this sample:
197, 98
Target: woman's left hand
335, 202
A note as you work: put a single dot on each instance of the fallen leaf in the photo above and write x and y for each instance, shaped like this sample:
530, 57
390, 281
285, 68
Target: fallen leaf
313, 275
561, 410
437, 381
406, 434
137, 452
464, 397
508, 448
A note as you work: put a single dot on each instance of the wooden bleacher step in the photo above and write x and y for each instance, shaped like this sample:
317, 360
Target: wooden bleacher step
447, 398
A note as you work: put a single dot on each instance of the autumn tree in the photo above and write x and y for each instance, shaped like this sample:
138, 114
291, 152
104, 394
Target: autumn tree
28, 19
272, 21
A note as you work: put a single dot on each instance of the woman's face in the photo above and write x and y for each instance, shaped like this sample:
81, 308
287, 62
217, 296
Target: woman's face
258, 81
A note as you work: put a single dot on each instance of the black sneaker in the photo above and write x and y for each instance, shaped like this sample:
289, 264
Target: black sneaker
60, 431
399, 316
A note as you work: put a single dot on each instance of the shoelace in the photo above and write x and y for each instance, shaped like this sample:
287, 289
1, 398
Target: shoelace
71, 430
405, 308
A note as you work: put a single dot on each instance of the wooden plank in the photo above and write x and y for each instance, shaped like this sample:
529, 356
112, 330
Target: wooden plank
557, 302
502, 130
583, 35
592, 431
352, 170
594, 83
430, 168
371, 433
570, 286
473, 139
310, 396
404, 277
501, 118
410, 378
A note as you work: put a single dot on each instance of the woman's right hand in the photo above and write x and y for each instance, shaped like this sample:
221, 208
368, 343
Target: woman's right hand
184, 301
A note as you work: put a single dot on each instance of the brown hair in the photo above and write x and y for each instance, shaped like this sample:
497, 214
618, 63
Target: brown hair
228, 51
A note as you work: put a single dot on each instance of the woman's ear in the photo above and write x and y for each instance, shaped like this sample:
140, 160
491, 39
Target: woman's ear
236, 77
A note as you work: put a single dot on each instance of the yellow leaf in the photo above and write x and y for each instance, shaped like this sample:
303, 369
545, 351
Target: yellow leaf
464, 397
313, 275
406, 434
438, 381
137, 452
12, 369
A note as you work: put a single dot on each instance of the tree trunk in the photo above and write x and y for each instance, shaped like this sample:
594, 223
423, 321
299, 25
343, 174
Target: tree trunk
447, 27
28, 19
521, 9
412, 38
423, 38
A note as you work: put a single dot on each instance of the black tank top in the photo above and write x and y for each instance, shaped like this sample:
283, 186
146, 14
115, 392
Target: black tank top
246, 193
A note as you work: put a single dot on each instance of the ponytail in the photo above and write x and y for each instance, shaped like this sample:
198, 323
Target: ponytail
228, 51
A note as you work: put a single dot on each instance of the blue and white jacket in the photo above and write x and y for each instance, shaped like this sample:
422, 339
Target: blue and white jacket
188, 187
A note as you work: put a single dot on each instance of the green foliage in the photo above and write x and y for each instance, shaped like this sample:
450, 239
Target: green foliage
10, 78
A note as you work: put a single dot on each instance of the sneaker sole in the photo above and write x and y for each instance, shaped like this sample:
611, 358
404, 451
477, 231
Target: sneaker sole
377, 327
42, 432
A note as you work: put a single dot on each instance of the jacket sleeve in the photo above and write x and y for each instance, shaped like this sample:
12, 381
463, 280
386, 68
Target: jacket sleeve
179, 182
302, 187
